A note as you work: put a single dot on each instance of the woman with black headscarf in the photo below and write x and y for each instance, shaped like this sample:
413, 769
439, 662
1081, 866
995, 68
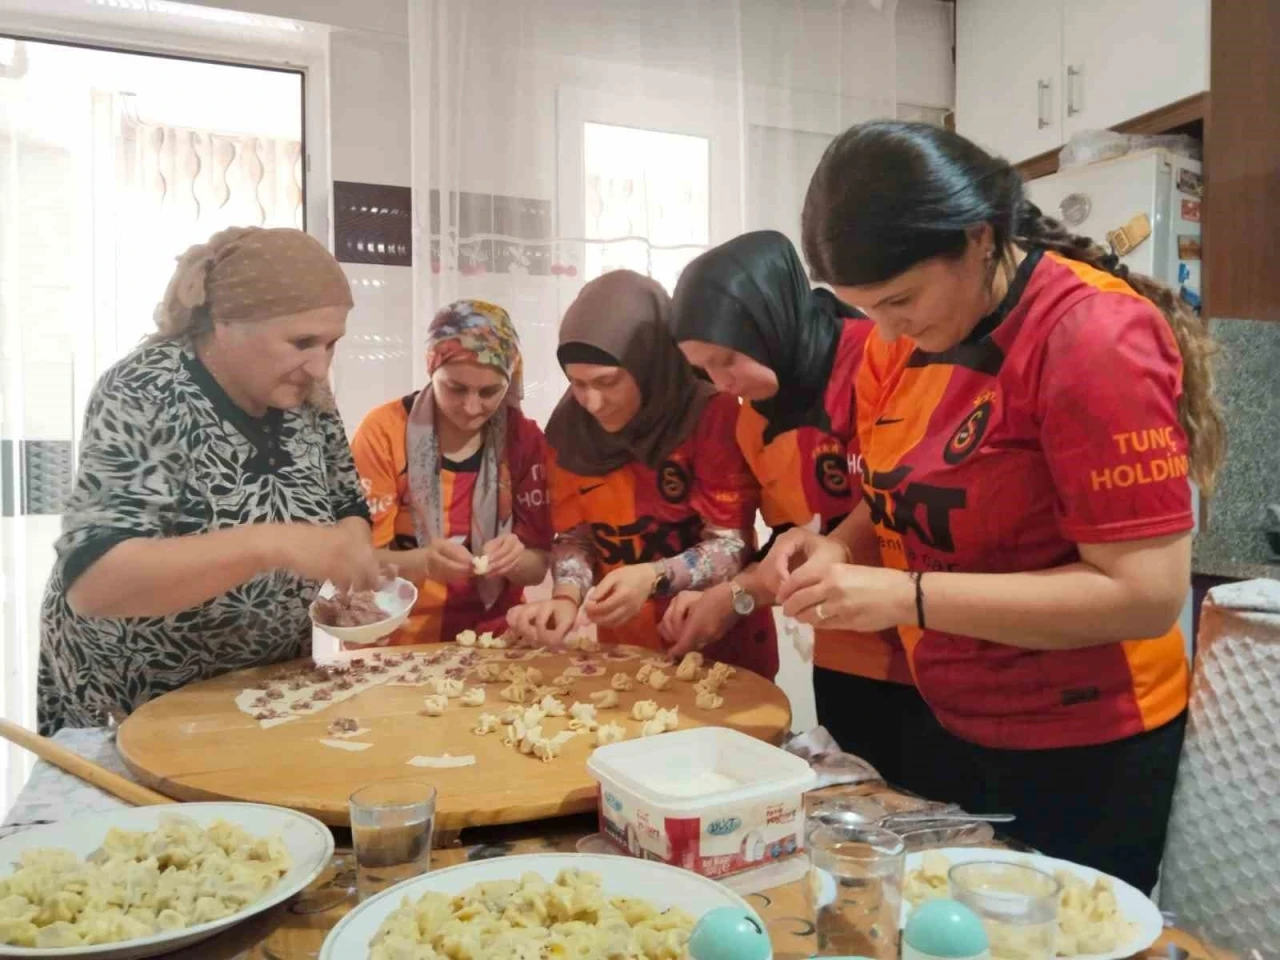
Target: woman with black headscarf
744, 312
649, 493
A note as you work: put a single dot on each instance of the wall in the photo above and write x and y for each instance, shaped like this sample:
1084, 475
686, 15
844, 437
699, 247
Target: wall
378, 16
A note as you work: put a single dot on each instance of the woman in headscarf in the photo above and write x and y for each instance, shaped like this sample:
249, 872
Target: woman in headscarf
650, 494
744, 312
215, 489
456, 479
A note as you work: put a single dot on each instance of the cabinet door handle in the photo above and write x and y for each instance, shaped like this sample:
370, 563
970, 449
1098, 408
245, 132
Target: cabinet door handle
1042, 94
1073, 74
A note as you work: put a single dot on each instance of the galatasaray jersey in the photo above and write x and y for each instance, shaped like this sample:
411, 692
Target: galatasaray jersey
803, 474
442, 612
1054, 423
639, 515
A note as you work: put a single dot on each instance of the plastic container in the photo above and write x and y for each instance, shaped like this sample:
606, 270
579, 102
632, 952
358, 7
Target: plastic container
710, 800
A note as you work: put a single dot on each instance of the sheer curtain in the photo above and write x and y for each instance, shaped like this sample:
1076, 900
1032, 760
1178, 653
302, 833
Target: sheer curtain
556, 139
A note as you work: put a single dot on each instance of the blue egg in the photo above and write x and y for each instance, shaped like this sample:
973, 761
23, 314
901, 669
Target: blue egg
944, 928
729, 933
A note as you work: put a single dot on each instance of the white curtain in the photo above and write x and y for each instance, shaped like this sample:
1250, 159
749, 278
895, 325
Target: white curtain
556, 139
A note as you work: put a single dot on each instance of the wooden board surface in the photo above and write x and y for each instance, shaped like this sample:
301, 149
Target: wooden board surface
194, 744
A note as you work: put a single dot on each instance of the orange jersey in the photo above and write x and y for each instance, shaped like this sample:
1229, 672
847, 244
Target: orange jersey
640, 515
805, 473
379, 452
1053, 425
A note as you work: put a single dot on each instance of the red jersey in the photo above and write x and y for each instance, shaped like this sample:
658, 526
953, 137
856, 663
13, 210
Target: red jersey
1053, 425
805, 473
640, 515
442, 612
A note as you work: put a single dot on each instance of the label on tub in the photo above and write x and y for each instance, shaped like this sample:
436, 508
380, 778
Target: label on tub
714, 847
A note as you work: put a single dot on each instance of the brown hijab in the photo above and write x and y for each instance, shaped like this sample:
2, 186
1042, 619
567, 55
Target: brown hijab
624, 316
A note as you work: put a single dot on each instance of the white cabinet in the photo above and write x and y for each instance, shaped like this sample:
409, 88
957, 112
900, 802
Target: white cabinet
1124, 59
1008, 79
1030, 73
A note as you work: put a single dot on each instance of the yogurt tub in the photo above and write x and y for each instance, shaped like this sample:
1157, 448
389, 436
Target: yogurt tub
711, 800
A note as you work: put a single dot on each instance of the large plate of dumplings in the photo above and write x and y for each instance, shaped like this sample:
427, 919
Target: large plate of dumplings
533, 905
145, 881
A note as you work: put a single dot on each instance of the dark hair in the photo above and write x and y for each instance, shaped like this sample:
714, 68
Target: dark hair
888, 195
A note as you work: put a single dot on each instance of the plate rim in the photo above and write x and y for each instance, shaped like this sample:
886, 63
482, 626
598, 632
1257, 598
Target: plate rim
327, 948
198, 932
1128, 949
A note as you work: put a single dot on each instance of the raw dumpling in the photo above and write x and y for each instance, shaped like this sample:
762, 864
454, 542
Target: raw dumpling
510, 715
531, 736
467, 638
533, 675
551, 707
514, 734
445, 686
670, 718
609, 733
651, 728
435, 705
644, 710
604, 699
473, 697
488, 641
621, 681
642, 675
584, 716
517, 692
709, 701
489, 672
690, 667
487, 723
546, 750
480, 565
658, 679
532, 716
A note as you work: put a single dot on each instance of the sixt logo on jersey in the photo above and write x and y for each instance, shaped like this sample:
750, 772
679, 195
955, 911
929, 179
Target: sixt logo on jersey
645, 540
920, 509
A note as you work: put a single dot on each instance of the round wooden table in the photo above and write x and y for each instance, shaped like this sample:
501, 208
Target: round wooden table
195, 744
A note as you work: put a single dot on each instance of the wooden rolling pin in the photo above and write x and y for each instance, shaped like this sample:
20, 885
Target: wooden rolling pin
78, 766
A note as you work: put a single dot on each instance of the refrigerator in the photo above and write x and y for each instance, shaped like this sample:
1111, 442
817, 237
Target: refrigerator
1099, 199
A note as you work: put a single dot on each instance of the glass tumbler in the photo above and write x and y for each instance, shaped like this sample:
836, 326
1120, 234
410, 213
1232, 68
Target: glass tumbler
1018, 906
855, 889
392, 824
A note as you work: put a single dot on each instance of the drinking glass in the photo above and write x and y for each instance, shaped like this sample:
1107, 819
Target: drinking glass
1018, 906
391, 829
855, 889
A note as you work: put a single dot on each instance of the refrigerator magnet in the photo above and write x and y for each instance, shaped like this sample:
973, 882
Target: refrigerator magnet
1191, 210
1188, 246
1190, 182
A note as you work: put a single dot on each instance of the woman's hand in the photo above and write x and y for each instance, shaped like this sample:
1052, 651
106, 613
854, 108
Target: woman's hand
695, 619
504, 553
448, 562
543, 622
840, 596
620, 595
793, 549
338, 553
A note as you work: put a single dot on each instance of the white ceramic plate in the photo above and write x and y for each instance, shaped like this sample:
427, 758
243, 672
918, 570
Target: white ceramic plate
396, 597
661, 885
1136, 907
309, 842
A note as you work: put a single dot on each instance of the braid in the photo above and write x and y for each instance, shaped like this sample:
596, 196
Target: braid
1198, 408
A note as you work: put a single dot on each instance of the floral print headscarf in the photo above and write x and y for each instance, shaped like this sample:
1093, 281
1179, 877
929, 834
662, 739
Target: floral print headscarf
479, 332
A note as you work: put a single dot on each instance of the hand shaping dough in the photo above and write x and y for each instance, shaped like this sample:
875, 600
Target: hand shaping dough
480, 565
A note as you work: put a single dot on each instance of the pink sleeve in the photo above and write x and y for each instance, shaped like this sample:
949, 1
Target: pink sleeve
1108, 409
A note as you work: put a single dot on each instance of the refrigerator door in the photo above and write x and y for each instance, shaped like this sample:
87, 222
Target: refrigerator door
1104, 196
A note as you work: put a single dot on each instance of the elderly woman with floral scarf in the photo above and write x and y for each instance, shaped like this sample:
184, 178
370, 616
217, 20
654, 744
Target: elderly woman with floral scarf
455, 479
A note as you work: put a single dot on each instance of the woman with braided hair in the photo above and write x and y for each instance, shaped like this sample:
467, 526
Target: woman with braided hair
215, 489
1028, 416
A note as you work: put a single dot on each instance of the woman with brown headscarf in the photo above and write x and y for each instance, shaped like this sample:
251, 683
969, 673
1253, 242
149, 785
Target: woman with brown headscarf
649, 492
215, 488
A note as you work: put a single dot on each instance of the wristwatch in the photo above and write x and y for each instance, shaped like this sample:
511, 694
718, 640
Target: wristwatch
743, 602
661, 582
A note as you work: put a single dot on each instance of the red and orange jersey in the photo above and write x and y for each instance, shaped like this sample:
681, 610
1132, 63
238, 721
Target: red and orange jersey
805, 473
639, 515
379, 452
1053, 425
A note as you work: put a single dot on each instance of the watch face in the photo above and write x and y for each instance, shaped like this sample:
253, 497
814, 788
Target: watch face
743, 602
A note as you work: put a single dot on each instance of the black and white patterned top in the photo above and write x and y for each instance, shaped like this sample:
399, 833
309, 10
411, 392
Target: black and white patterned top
167, 453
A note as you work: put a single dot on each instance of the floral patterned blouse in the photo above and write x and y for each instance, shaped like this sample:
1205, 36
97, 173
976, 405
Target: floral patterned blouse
166, 453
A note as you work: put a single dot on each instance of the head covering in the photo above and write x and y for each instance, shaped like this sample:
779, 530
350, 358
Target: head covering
751, 295
248, 274
476, 332
622, 316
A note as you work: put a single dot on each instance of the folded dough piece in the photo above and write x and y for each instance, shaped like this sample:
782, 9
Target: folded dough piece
551, 706
670, 718
642, 675
517, 692
658, 680
489, 672
604, 699
609, 733
467, 638
473, 697
487, 723
690, 667
621, 682
480, 565
653, 727
709, 701
435, 705
644, 710
584, 716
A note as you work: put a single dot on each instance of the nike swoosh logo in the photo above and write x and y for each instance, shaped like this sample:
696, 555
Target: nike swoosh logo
885, 421
586, 490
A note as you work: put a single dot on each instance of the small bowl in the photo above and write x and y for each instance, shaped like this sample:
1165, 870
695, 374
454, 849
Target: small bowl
397, 598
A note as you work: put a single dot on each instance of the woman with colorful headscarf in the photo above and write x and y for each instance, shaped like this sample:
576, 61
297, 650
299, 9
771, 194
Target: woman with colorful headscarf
215, 489
650, 494
456, 479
